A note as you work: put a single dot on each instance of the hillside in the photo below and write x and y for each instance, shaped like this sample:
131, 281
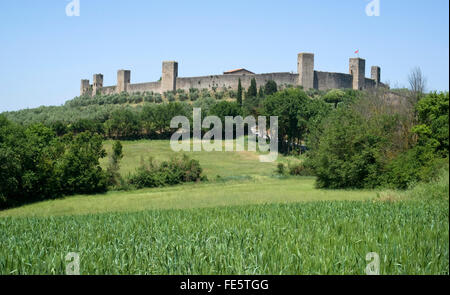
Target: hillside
235, 178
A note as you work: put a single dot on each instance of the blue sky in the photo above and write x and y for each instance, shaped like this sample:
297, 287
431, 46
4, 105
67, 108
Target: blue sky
44, 53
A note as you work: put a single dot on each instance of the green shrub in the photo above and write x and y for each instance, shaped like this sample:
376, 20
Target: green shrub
175, 171
232, 93
78, 170
224, 108
433, 113
299, 169
35, 164
422, 161
158, 98
351, 151
219, 95
183, 96
281, 169
418, 164
205, 93
149, 97
436, 189
170, 96
334, 96
270, 87
193, 94
112, 172
370, 142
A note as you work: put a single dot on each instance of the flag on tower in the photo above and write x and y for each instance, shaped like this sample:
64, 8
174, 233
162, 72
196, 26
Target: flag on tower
357, 51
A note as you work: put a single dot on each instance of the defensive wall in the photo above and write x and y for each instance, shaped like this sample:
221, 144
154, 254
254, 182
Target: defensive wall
306, 76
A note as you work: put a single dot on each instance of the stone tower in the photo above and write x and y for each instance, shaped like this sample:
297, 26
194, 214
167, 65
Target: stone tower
84, 88
305, 67
123, 79
375, 74
358, 70
169, 76
97, 84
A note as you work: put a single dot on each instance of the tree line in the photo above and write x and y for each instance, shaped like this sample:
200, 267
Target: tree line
359, 139
36, 164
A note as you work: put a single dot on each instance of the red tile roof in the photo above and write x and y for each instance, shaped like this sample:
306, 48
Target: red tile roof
237, 70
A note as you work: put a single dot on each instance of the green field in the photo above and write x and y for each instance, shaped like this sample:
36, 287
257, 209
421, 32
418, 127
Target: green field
216, 194
309, 238
224, 164
247, 221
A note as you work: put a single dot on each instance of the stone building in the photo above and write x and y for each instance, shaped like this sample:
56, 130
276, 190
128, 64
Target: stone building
306, 76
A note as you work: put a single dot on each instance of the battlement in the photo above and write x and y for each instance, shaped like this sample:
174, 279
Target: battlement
306, 76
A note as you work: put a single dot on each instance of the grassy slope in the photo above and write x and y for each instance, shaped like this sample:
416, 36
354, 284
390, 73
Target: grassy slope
232, 230
224, 164
248, 181
260, 191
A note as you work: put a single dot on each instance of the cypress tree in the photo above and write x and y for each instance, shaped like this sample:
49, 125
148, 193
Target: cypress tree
252, 90
239, 93
261, 92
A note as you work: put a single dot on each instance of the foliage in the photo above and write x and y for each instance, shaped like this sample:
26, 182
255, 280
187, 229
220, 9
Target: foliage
270, 87
286, 105
433, 113
183, 96
281, 169
113, 169
261, 93
205, 93
252, 106
399, 144
370, 142
356, 145
193, 94
437, 189
334, 96
422, 161
78, 170
219, 95
297, 115
35, 164
223, 109
123, 124
252, 90
299, 169
214, 163
175, 171
170, 96
239, 93
417, 164
82, 125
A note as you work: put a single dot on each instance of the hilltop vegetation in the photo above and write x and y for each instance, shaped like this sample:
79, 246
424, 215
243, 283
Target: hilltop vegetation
354, 139
249, 217
370, 143
253, 223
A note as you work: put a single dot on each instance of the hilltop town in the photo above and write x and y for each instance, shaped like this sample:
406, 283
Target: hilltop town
306, 76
